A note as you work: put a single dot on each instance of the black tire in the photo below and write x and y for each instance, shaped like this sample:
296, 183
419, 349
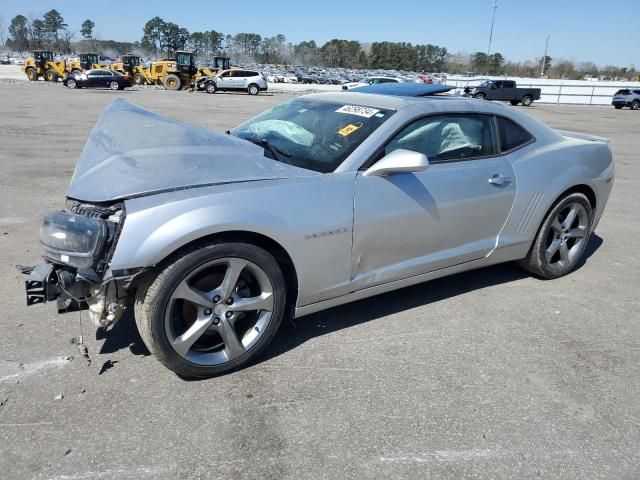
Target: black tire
51, 75
154, 295
514, 102
172, 82
113, 85
253, 89
210, 87
32, 74
536, 260
527, 100
480, 96
71, 83
635, 105
138, 79
617, 107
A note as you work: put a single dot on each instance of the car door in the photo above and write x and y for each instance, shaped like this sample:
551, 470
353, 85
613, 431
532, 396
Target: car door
508, 91
406, 224
93, 78
224, 81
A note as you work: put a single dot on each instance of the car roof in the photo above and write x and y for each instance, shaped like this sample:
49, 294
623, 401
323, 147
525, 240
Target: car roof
404, 89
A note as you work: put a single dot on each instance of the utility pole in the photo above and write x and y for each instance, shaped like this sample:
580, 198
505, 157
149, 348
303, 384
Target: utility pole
544, 58
493, 19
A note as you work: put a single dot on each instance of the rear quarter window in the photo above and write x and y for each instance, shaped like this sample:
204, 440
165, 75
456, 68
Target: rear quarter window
512, 135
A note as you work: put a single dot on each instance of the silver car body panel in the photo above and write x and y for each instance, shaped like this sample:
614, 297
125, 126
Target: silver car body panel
349, 236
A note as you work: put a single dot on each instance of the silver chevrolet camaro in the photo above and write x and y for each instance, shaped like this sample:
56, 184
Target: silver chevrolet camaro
212, 239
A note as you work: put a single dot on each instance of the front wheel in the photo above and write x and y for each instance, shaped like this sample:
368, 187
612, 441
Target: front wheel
617, 107
635, 105
138, 78
562, 238
527, 100
71, 83
114, 85
253, 89
480, 96
211, 87
213, 309
51, 75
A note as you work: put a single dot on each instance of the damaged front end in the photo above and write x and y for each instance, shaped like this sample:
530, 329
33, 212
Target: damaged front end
78, 243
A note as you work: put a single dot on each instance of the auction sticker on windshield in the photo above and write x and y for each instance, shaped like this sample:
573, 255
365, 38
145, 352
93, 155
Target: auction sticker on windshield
366, 112
349, 129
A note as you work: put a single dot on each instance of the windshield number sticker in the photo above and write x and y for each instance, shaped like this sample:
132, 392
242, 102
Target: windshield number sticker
349, 129
366, 112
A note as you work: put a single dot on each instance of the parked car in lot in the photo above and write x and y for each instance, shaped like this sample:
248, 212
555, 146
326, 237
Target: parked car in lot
627, 97
504, 90
370, 81
319, 201
250, 81
98, 79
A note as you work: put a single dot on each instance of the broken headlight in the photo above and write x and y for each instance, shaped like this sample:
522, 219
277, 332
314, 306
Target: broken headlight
72, 239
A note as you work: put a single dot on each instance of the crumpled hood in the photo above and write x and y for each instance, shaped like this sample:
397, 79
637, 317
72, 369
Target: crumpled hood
133, 152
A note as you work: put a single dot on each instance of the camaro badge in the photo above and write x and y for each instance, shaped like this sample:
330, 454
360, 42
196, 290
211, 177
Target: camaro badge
328, 233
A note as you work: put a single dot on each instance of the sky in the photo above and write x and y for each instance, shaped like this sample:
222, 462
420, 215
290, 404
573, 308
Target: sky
580, 30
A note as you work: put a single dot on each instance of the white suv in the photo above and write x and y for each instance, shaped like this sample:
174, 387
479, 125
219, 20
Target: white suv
250, 81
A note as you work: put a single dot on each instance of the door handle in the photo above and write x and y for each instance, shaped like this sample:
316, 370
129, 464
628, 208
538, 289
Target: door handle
499, 179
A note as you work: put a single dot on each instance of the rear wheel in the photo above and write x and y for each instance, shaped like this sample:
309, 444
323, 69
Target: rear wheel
527, 100
562, 238
635, 105
32, 74
51, 75
172, 82
253, 89
213, 309
114, 85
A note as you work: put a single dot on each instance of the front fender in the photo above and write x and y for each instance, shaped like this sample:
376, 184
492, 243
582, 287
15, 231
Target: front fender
151, 235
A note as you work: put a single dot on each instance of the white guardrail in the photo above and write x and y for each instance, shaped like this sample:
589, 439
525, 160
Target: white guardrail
574, 92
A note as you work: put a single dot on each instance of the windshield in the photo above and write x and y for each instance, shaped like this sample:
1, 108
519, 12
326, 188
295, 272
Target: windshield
312, 134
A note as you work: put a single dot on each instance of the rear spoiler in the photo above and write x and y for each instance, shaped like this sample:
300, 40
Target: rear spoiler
583, 136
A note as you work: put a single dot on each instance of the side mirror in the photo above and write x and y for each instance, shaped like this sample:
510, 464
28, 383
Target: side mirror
398, 161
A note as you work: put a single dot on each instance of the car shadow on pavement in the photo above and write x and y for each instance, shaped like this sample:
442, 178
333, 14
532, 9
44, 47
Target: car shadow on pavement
124, 334
295, 333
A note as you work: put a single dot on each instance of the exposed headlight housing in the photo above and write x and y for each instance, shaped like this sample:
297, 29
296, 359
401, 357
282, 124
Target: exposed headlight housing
72, 239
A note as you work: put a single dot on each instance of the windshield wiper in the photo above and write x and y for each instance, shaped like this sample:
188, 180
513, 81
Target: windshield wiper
275, 151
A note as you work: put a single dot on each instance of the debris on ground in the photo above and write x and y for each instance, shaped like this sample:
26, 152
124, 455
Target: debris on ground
58, 397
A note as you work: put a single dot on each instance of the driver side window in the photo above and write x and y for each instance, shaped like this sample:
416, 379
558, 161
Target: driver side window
446, 138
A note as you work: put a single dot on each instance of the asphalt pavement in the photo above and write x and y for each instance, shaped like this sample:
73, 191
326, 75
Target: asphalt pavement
486, 374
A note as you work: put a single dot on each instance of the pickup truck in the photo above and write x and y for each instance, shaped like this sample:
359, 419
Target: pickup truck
504, 90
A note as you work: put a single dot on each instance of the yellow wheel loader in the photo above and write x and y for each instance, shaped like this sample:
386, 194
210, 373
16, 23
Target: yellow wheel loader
218, 64
173, 74
42, 65
129, 64
86, 61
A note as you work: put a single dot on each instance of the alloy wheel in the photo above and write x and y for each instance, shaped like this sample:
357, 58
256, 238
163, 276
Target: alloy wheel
219, 311
567, 236
114, 85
